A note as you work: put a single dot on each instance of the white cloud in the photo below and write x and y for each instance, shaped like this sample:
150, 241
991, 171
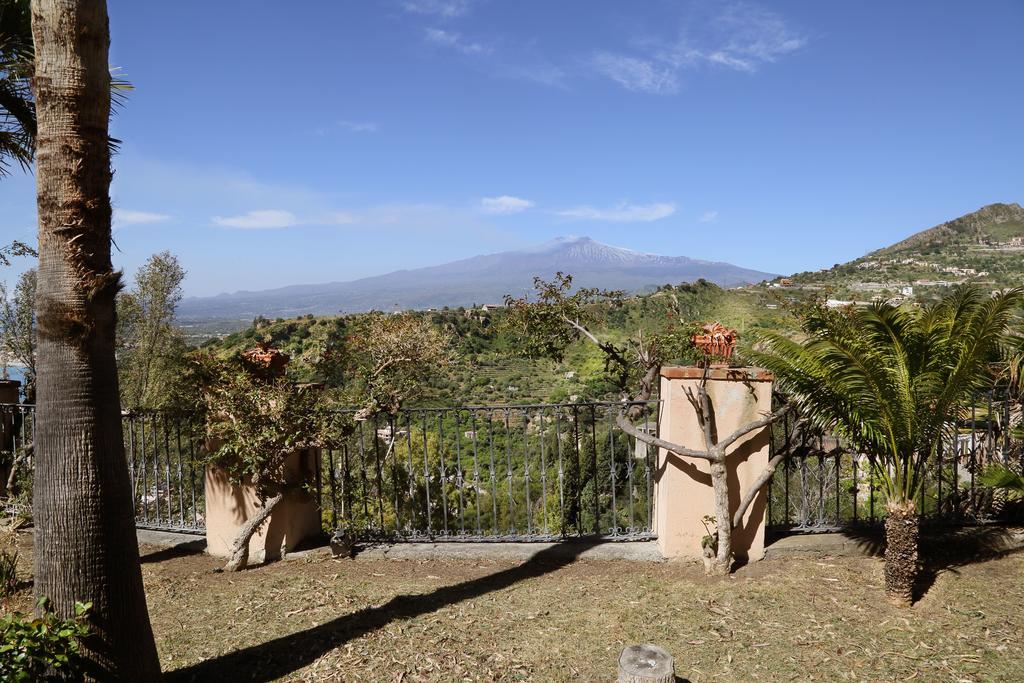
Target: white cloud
340, 218
741, 37
129, 217
258, 220
623, 212
708, 217
638, 75
504, 204
446, 9
359, 126
455, 41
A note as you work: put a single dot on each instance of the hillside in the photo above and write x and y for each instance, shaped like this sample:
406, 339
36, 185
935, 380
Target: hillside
477, 280
985, 247
489, 371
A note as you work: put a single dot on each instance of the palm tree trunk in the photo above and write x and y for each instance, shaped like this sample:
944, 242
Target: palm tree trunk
85, 547
901, 535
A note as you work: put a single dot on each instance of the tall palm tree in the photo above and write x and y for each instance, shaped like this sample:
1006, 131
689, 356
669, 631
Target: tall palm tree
17, 107
17, 110
85, 544
890, 380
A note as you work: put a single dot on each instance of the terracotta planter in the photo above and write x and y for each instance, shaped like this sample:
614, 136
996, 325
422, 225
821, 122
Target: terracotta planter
294, 520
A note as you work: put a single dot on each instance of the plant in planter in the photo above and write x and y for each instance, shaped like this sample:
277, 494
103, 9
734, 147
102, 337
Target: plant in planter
256, 421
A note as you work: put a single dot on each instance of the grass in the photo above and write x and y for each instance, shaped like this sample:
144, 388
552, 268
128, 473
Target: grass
823, 619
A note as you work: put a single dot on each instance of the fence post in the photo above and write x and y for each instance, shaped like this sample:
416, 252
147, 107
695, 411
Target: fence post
683, 493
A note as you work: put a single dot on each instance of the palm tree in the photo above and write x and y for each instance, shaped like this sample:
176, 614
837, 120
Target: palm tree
890, 380
17, 110
17, 107
85, 544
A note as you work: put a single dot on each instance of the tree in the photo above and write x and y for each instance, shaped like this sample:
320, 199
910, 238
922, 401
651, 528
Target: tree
17, 107
390, 356
85, 545
258, 417
891, 381
13, 250
17, 110
18, 326
546, 324
151, 349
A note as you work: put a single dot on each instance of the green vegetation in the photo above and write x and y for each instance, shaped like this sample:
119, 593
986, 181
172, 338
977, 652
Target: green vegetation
43, 648
489, 367
888, 380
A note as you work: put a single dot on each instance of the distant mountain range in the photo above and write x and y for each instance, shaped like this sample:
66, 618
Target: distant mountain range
476, 280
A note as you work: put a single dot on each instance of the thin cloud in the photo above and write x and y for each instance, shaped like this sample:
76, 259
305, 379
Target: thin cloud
445, 9
258, 220
741, 37
638, 75
360, 126
708, 217
455, 41
505, 204
623, 212
130, 217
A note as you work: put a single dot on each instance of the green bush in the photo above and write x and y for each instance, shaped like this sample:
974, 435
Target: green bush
44, 648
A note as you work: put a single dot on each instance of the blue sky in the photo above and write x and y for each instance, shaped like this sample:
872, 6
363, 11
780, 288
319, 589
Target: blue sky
268, 147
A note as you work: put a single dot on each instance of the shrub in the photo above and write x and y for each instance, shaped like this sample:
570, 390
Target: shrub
44, 648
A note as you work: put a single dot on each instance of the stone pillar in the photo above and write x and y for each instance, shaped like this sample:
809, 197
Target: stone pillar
294, 520
10, 422
683, 493
10, 390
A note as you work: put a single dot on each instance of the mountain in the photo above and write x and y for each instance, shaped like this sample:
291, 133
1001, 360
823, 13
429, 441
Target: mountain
989, 226
984, 247
476, 280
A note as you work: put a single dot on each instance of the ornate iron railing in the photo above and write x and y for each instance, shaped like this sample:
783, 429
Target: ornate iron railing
823, 485
526, 472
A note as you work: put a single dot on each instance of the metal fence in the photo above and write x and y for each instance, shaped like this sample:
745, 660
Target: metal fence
538, 472
492, 473
164, 451
822, 485
528, 472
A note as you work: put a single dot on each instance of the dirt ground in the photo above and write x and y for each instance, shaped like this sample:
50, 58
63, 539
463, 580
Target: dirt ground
800, 619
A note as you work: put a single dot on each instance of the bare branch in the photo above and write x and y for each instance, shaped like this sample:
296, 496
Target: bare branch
581, 329
702, 408
625, 425
755, 487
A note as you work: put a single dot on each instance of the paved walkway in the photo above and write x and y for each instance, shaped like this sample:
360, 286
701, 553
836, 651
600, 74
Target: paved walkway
985, 538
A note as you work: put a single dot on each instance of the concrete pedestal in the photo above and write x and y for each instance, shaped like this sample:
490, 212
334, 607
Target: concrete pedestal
294, 520
683, 492
9, 423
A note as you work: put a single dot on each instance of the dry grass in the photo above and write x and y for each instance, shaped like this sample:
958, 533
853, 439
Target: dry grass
389, 620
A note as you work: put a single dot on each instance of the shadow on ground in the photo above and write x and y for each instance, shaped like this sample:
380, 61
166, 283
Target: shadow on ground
281, 656
195, 547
